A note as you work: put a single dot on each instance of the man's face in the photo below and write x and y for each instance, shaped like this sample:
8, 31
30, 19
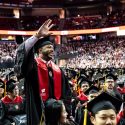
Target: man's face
47, 52
104, 117
84, 87
110, 84
16, 91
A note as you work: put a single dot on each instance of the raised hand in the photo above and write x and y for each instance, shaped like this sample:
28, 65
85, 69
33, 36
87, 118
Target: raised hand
44, 29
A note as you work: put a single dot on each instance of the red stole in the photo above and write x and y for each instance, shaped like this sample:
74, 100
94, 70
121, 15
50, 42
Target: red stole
7, 100
82, 97
43, 79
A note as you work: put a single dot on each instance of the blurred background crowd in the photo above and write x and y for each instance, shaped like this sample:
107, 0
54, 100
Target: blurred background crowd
87, 60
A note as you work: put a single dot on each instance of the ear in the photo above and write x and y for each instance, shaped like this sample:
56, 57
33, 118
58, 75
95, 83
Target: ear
92, 118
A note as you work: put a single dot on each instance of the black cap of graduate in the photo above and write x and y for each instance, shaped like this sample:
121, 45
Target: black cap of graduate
104, 102
42, 42
2, 85
102, 80
10, 85
91, 90
83, 80
111, 76
97, 76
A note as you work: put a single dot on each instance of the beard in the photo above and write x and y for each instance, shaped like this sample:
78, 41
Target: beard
48, 56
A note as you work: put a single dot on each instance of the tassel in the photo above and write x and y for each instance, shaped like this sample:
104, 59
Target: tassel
85, 116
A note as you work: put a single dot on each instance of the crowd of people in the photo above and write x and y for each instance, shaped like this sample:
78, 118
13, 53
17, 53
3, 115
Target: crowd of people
38, 91
7, 54
101, 54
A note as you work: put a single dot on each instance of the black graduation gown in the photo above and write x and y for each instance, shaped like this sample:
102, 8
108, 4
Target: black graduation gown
79, 118
26, 67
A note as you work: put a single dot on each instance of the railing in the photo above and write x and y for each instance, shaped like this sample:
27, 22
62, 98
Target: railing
120, 30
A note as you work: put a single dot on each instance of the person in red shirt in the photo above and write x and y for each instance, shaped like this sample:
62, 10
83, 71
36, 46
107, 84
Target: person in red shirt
12, 93
12, 101
84, 85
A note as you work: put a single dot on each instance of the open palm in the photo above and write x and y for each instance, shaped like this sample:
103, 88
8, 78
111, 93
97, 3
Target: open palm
44, 29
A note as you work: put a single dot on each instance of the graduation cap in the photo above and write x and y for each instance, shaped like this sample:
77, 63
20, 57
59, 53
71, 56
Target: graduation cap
110, 77
97, 76
102, 80
42, 42
83, 80
91, 90
104, 102
10, 85
2, 83
73, 73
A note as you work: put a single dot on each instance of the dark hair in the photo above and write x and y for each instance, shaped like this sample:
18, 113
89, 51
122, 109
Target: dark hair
53, 109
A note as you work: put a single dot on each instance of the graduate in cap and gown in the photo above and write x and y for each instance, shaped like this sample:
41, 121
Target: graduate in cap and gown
12, 95
91, 93
110, 85
13, 102
83, 86
104, 109
43, 78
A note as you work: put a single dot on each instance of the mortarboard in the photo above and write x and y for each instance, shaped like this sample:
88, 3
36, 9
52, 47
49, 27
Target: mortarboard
97, 76
104, 102
10, 85
111, 76
42, 42
102, 80
91, 90
83, 80
73, 73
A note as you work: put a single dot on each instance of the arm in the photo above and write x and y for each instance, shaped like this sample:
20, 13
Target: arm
24, 55
42, 32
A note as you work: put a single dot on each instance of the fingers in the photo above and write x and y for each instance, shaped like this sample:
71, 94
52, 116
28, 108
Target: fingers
51, 26
45, 23
49, 22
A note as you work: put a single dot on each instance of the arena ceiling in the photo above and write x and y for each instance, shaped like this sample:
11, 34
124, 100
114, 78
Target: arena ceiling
58, 3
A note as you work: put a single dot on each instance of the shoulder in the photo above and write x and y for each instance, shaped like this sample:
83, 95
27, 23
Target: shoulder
5, 99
